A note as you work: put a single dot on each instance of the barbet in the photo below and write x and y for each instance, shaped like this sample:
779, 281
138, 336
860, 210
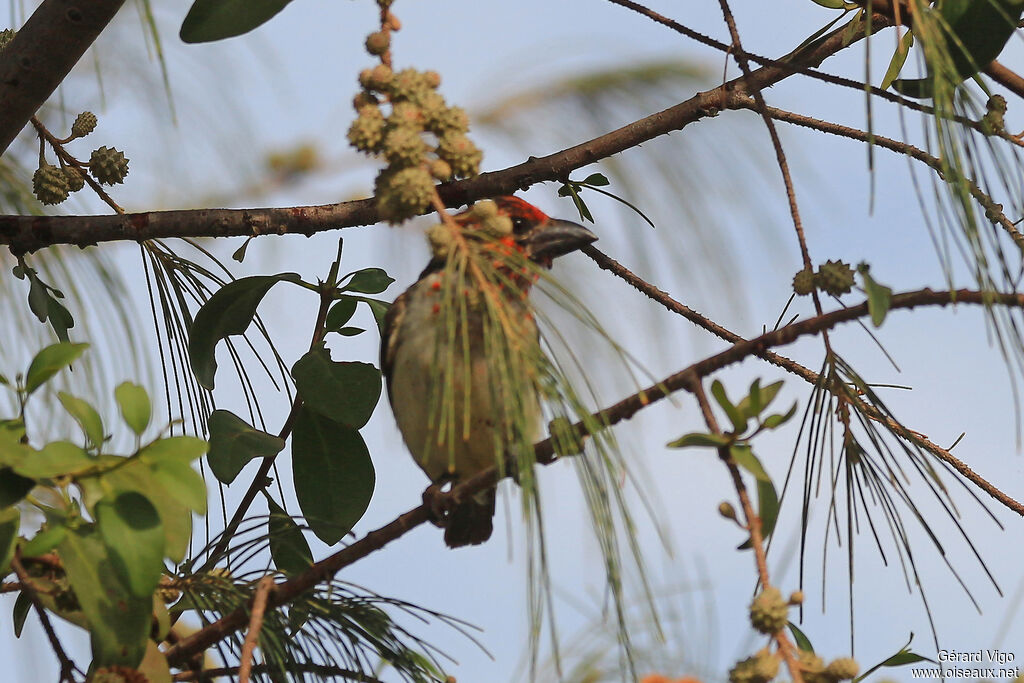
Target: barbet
458, 346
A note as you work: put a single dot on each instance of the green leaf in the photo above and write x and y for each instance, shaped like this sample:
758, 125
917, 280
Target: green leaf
700, 439
595, 180
86, 417
830, 4
341, 312
879, 297
10, 522
905, 657
49, 362
137, 475
379, 310
229, 311
239, 254
56, 459
899, 58
131, 529
345, 392
21, 608
183, 483
45, 541
209, 20
233, 443
746, 459
13, 487
133, 401
119, 621
368, 281
739, 423
288, 547
802, 641
350, 331
767, 506
333, 475
182, 449
777, 420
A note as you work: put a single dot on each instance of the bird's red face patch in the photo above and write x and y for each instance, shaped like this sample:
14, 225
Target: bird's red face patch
514, 206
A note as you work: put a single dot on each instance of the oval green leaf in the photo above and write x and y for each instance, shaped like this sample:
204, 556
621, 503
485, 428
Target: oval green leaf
700, 439
60, 458
229, 311
183, 449
340, 313
233, 443
333, 475
346, 392
130, 527
209, 20
119, 621
368, 281
49, 362
10, 522
86, 417
133, 401
288, 547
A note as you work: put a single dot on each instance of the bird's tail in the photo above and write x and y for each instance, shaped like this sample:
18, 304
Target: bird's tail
471, 522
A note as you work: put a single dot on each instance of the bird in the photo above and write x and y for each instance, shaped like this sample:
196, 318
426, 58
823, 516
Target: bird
448, 362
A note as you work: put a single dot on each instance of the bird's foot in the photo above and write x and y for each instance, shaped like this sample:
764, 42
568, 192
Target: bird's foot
440, 503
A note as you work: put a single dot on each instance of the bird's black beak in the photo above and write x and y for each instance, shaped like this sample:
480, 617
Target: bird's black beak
556, 238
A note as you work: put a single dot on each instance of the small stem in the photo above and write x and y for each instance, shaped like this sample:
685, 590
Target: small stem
67, 667
259, 606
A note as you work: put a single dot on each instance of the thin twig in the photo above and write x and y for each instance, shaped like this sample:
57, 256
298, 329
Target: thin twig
259, 606
326, 568
67, 667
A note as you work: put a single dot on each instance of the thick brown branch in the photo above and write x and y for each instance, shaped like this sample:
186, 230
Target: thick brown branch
30, 233
41, 55
544, 451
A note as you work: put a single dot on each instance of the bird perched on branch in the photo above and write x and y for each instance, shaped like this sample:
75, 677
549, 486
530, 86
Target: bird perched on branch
461, 354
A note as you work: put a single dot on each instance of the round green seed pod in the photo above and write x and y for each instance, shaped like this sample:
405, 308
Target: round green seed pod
796, 598
803, 282
769, 613
376, 78
835, 277
460, 152
84, 124
496, 226
484, 209
75, 178
108, 165
49, 184
726, 509
377, 43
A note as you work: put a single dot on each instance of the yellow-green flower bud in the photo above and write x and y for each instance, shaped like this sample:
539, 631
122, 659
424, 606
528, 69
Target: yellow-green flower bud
407, 84
404, 147
440, 170
376, 78
447, 120
461, 153
367, 131
403, 193
769, 613
440, 238
796, 598
406, 115
726, 509
433, 80
378, 43
6, 36
843, 669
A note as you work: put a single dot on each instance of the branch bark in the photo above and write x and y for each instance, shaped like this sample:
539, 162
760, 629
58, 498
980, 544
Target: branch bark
42, 54
326, 568
25, 234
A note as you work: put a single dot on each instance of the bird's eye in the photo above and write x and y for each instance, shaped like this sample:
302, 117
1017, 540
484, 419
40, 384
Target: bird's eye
519, 225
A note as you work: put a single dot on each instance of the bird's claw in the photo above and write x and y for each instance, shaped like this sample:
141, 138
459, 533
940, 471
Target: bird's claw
440, 503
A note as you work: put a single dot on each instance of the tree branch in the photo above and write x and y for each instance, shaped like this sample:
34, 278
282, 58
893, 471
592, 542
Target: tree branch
42, 54
29, 233
544, 451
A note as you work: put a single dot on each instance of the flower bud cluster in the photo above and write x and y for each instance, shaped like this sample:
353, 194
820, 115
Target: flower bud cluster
402, 118
833, 277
